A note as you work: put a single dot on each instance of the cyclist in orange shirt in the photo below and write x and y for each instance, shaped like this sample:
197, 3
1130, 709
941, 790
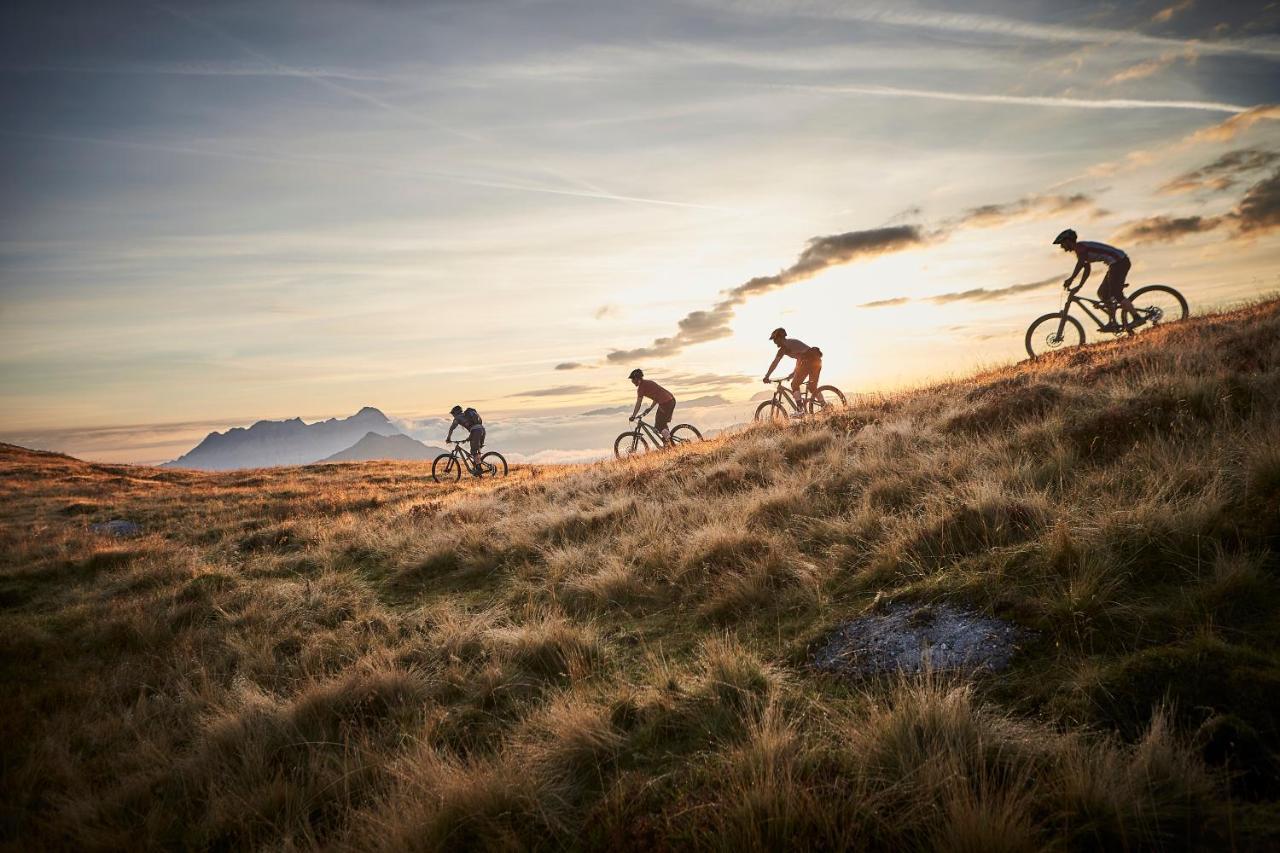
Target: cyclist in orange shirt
808, 361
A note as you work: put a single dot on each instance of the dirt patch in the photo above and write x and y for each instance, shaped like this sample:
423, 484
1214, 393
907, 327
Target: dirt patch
904, 638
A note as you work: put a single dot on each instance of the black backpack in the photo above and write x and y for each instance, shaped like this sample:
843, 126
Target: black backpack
471, 418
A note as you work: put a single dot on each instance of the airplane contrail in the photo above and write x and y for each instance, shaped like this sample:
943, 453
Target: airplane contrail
1021, 100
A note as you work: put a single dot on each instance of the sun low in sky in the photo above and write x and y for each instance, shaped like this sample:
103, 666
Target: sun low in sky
216, 213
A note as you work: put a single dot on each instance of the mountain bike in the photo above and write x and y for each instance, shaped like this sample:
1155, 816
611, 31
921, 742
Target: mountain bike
448, 467
1154, 305
776, 409
644, 438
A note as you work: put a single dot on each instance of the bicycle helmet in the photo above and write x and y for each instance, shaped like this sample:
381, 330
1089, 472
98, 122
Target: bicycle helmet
456, 410
777, 334
1068, 236
636, 374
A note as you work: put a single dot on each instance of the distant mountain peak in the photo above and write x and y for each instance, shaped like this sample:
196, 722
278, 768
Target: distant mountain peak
376, 446
284, 442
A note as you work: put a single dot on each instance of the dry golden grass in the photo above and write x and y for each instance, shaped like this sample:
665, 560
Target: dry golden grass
353, 657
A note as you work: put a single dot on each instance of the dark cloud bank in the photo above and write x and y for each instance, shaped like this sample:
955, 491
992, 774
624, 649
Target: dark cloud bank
1257, 213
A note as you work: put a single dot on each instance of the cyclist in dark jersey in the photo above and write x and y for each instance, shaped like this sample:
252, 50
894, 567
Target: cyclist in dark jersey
661, 397
471, 421
1111, 291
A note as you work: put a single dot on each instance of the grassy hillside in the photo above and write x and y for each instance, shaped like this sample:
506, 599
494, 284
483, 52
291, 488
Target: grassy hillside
350, 656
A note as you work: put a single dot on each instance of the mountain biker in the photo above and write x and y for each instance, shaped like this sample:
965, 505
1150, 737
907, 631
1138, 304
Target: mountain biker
661, 397
808, 361
1111, 291
470, 420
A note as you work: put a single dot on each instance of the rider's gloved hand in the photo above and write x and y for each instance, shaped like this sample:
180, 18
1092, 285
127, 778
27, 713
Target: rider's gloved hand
1066, 285
767, 380
632, 418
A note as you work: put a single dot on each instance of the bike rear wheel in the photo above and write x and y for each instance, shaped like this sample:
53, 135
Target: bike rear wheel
1156, 305
630, 444
1053, 332
446, 469
772, 411
493, 464
825, 397
684, 434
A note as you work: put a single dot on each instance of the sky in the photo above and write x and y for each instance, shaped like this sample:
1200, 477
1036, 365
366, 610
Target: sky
215, 213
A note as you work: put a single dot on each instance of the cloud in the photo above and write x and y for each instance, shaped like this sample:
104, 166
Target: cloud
1223, 131
604, 312
1166, 229
819, 254
1151, 67
584, 189
992, 25
562, 457
715, 380
1222, 173
977, 294
1166, 14
1229, 129
570, 365
557, 391
1257, 213
991, 215
885, 303
1259, 210
981, 294
608, 410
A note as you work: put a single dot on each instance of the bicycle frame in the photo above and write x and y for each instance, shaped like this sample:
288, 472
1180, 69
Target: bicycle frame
782, 394
648, 431
1074, 298
463, 457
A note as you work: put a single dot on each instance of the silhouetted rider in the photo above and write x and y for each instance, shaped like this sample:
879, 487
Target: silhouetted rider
808, 361
1111, 291
469, 419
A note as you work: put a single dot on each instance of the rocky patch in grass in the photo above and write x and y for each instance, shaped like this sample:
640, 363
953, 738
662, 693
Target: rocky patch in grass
910, 638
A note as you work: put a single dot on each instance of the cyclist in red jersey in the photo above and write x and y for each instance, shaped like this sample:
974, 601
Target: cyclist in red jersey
661, 397
1111, 291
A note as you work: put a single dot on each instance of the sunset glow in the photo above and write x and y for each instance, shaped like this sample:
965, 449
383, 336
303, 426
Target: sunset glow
218, 214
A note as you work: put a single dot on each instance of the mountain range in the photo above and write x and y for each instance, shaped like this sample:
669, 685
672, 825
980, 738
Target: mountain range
375, 446
362, 436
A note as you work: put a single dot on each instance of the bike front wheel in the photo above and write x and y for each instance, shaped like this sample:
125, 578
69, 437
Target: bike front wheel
630, 444
684, 434
824, 398
772, 411
493, 464
1155, 305
446, 469
1053, 332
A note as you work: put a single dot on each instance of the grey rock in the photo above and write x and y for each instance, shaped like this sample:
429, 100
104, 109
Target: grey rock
910, 639
117, 527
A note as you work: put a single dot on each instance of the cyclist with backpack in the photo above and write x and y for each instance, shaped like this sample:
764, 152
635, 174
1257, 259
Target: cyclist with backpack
661, 397
470, 420
808, 361
1111, 291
